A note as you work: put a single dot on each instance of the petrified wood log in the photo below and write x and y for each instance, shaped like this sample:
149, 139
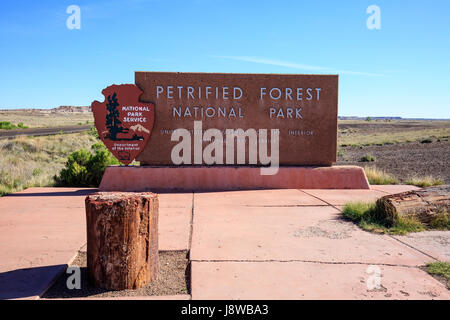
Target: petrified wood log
424, 204
122, 239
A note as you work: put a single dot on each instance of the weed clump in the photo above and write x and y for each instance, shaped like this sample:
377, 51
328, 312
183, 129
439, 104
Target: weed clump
428, 140
371, 217
368, 158
425, 181
441, 269
378, 176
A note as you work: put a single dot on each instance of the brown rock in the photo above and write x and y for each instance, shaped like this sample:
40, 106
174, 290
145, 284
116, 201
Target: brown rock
122, 239
424, 204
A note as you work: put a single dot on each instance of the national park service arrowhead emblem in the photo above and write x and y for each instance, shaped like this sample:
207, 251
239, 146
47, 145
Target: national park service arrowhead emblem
123, 122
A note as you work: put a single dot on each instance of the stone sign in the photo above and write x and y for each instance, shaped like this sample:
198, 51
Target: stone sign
171, 118
299, 112
123, 123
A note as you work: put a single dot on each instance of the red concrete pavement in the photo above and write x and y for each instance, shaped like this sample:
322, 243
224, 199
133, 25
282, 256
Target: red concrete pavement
42, 229
307, 280
265, 244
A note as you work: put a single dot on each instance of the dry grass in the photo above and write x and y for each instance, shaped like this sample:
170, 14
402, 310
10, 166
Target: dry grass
378, 176
37, 119
425, 181
27, 161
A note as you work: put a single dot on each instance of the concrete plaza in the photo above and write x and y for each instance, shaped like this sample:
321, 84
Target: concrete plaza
264, 244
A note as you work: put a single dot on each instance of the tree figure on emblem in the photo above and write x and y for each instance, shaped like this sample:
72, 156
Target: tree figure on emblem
112, 119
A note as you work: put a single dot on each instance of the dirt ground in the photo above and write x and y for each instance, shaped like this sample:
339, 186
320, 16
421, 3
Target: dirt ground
173, 279
404, 160
381, 132
394, 125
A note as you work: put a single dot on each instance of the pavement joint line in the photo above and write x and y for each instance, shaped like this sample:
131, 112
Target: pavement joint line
191, 227
53, 281
191, 232
285, 206
410, 246
171, 207
177, 250
381, 191
75, 256
313, 261
328, 204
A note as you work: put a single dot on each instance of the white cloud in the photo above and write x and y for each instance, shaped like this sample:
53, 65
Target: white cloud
298, 66
273, 62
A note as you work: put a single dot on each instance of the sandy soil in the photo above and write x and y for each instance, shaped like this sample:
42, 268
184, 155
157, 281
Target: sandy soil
404, 159
172, 280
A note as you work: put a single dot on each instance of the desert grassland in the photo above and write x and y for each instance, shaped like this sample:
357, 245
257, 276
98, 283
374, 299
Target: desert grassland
393, 137
379, 176
33, 161
381, 132
36, 119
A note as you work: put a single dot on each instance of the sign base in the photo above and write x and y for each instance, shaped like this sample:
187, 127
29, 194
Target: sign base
227, 178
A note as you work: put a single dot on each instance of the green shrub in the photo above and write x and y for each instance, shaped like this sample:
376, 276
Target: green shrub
367, 158
84, 168
6, 125
93, 132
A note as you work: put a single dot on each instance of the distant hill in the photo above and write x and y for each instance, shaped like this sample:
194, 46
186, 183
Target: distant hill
385, 118
60, 109
72, 109
364, 118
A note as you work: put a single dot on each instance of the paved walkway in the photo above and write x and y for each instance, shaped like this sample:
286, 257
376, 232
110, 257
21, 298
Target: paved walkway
265, 244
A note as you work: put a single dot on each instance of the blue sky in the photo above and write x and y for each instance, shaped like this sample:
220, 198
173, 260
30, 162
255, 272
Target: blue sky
403, 69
